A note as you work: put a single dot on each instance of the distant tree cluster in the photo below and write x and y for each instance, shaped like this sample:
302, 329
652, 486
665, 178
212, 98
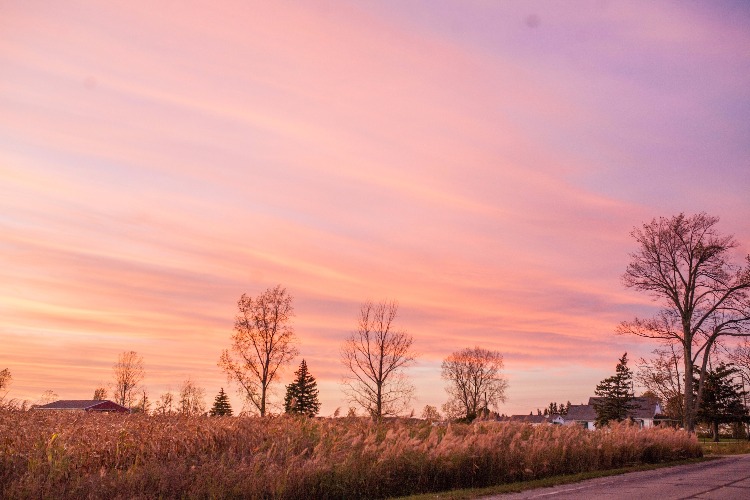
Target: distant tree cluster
555, 409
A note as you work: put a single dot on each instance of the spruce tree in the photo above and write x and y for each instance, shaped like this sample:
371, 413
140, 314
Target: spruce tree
615, 395
221, 407
302, 394
723, 398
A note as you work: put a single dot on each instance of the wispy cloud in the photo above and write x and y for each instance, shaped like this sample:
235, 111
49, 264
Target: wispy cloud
483, 165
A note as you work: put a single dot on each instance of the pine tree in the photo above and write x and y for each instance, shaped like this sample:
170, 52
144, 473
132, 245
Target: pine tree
722, 398
221, 407
615, 395
302, 394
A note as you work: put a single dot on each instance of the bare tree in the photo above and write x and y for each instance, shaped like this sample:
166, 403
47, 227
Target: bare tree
100, 394
375, 356
662, 375
682, 262
165, 404
143, 405
5, 379
262, 342
128, 373
47, 397
192, 398
431, 413
474, 382
740, 356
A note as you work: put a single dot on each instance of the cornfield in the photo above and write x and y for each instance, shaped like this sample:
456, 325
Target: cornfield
81, 455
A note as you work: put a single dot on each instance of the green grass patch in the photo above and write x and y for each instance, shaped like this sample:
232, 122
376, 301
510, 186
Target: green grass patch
548, 482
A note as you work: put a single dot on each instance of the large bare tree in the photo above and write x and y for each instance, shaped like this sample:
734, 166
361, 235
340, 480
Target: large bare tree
683, 263
474, 380
375, 356
128, 373
262, 342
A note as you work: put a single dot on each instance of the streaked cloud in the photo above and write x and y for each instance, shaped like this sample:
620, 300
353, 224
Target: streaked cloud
481, 163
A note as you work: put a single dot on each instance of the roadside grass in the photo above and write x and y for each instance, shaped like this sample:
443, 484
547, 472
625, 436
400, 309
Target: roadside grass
726, 447
548, 482
78, 455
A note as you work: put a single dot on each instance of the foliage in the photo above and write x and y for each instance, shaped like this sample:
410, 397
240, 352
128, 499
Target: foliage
723, 398
615, 395
221, 407
262, 343
474, 382
66, 455
375, 356
302, 394
683, 262
128, 373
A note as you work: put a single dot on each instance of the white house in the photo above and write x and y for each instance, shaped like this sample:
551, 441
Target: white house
644, 413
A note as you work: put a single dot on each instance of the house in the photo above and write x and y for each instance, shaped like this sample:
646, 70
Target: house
532, 419
88, 405
583, 415
645, 412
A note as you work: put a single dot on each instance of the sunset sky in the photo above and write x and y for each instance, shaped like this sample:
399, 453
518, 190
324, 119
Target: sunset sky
480, 162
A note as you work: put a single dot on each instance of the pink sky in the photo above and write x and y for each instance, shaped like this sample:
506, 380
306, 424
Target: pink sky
480, 162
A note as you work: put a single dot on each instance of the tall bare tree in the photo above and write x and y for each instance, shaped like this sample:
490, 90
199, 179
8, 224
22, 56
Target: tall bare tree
683, 263
128, 373
262, 342
192, 398
475, 382
375, 356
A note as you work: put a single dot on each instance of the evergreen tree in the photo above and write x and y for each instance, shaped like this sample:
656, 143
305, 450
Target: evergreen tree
615, 395
221, 407
302, 394
722, 398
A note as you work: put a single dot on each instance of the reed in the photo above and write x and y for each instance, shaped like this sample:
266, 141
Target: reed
79, 455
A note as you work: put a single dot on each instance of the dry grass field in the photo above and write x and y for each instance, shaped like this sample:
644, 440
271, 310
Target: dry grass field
46, 455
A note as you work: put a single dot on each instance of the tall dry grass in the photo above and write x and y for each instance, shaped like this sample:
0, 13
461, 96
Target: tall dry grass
77, 455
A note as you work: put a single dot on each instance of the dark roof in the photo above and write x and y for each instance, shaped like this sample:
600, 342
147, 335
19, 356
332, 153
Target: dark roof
83, 404
580, 413
644, 407
531, 419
